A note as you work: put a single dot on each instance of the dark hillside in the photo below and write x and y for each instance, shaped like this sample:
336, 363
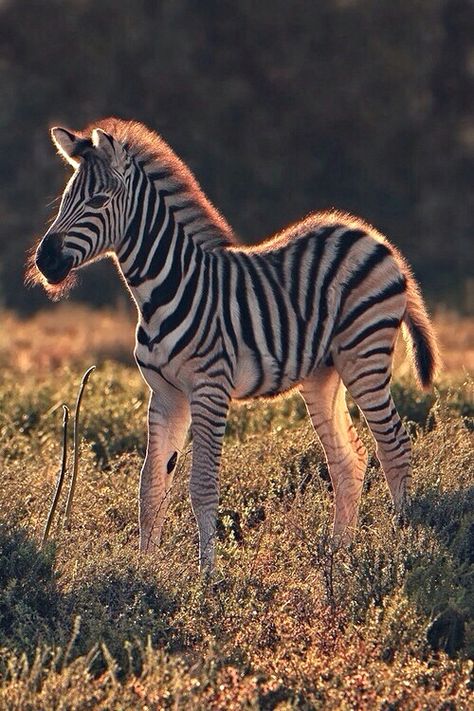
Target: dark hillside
279, 108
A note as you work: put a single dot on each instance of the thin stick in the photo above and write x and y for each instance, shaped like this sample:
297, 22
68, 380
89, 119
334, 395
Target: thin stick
75, 460
60, 479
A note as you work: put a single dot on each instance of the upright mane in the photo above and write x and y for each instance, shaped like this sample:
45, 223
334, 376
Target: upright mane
157, 157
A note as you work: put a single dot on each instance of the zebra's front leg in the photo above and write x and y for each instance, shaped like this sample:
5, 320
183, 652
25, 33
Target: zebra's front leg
209, 409
168, 423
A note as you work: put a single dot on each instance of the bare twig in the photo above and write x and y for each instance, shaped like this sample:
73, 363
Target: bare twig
75, 460
60, 480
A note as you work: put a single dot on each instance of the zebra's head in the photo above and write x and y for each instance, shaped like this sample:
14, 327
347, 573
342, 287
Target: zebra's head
91, 219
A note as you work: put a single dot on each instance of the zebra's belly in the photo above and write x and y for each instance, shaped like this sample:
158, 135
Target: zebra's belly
262, 378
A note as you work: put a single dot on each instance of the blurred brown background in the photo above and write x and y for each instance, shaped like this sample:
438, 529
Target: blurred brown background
280, 108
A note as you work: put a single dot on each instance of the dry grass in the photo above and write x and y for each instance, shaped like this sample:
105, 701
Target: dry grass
387, 624
456, 336
66, 335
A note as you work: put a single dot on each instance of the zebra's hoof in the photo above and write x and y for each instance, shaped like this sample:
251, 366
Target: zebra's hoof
342, 539
401, 518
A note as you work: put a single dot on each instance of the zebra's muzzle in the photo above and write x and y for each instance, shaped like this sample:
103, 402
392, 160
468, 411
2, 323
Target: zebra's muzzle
50, 260
59, 274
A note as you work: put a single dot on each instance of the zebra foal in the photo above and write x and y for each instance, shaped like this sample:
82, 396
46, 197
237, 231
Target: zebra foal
317, 307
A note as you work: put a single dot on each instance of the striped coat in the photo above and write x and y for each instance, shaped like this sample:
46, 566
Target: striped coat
318, 307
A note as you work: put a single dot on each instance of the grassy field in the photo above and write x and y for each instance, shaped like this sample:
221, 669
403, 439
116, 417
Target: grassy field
86, 623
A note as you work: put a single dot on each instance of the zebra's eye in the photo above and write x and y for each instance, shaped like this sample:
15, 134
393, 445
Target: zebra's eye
98, 201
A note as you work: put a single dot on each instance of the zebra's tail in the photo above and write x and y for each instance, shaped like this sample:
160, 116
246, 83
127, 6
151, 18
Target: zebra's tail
419, 334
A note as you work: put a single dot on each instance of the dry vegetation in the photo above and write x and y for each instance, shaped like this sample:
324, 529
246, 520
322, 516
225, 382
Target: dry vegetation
85, 623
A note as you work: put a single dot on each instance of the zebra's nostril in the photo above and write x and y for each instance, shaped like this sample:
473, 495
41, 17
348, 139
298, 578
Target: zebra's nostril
48, 255
47, 258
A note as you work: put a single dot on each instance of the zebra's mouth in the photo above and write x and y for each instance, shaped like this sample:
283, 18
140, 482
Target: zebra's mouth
58, 278
57, 273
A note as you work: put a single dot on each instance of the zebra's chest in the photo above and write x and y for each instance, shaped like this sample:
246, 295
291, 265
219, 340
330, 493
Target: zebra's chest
153, 362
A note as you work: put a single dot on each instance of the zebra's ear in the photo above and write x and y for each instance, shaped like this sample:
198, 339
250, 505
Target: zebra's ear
70, 146
110, 149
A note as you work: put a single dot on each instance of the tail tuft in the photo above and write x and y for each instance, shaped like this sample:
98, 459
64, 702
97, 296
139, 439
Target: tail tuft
422, 340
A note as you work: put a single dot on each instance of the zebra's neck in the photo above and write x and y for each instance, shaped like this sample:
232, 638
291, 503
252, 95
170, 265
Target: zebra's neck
170, 227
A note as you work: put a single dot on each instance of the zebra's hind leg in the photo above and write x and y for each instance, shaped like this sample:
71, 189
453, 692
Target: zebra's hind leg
367, 378
346, 456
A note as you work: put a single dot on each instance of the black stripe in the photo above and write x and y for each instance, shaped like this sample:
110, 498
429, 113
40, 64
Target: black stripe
374, 389
142, 336
208, 420
262, 303
196, 322
345, 243
376, 408
188, 254
221, 373
80, 248
159, 175
297, 252
373, 328
86, 225
149, 236
212, 305
163, 247
216, 358
380, 253
215, 386
211, 345
365, 374
246, 326
174, 320
132, 231
398, 426
380, 350
225, 286
165, 292
151, 227
283, 317
397, 287
398, 445
319, 240
384, 420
